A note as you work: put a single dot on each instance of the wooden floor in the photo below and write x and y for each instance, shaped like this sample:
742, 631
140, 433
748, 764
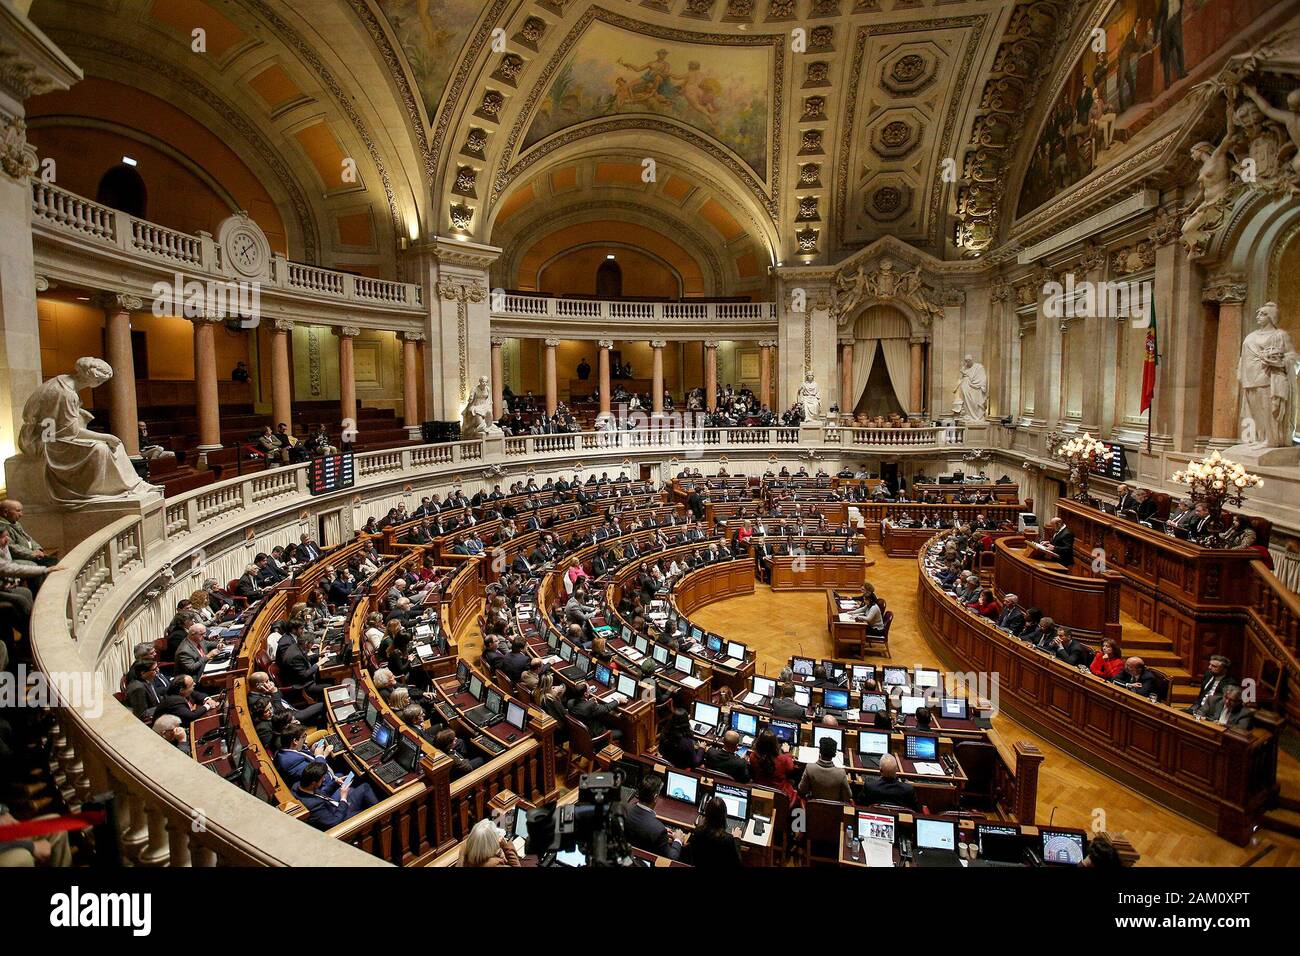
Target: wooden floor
779, 625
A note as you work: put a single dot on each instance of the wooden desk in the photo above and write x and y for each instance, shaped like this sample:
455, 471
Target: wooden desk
1085, 603
1220, 778
816, 572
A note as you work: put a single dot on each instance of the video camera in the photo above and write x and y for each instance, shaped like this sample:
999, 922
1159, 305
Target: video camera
592, 826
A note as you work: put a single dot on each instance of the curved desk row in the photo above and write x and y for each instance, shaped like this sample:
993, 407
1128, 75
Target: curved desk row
1219, 778
1082, 603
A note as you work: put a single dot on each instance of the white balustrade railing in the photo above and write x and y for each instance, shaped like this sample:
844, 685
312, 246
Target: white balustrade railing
516, 306
58, 212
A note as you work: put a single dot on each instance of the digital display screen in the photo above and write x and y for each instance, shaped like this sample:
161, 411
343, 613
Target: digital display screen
331, 473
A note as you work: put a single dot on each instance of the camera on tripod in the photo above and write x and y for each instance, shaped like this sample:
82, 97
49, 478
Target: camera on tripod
591, 828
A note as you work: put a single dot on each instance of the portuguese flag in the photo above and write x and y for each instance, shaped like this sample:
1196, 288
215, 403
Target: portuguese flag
1152, 358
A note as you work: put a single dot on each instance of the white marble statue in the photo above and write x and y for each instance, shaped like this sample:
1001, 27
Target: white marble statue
476, 421
973, 390
810, 398
1267, 372
82, 467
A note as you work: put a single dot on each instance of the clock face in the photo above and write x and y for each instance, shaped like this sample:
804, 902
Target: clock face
245, 252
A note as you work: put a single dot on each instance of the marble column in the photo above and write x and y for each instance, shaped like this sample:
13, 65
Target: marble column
281, 373
657, 379
917, 397
122, 416
847, 392
411, 382
498, 378
765, 371
32, 65
1226, 417
207, 396
552, 389
347, 376
711, 376
603, 347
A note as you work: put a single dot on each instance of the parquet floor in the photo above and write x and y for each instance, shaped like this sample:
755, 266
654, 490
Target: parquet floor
781, 624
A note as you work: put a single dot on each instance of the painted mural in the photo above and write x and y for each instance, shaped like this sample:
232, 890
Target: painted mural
720, 91
1150, 59
432, 34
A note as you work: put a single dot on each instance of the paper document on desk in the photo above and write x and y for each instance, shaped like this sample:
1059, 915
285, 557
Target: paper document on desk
217, 668
849, 619
877, 853
425, 651
691, 682
752, 698
812, 754
928, 768
847, 605
730, 662
631, 653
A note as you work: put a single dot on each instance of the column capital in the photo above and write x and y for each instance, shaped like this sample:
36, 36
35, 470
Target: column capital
205, 317
847, 340
498, 341
347, 331
657, 343
605, 343
767, 343
44, 283
710, 344
552, 343
282, 325
917, 340
117, 302
411, 335
1224, 289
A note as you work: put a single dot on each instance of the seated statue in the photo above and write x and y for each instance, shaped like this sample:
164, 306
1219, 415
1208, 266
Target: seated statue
81, 466
476, 421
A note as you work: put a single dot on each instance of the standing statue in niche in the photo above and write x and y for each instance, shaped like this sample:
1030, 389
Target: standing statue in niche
82, 467
476, 421
973, 390
1267, 371
810, 399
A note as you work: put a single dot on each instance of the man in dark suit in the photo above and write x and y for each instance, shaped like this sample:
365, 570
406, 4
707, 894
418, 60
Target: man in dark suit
516, 662
324, 812
1137, 677
1201, 525
593, 713
763, 559
308, 550
643, 829
1061, 541
887, 788
1146, 505
695, 504
1126, 501
1067, 649
261, 687
1213, 683
724, 758
1229, 710
296, 668
1012, 618
145, 688
248, 586
784, 704
184, 702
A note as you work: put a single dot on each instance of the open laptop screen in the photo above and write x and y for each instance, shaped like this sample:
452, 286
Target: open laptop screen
680, 786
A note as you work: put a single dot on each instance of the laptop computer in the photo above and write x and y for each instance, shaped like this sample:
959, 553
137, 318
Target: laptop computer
400, 759
763, 689
737, 801
381, 737
704, 718
488, 712
936, 842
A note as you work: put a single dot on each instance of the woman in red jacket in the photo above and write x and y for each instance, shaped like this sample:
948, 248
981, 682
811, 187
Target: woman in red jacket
769, 767
1109, 661
987, 605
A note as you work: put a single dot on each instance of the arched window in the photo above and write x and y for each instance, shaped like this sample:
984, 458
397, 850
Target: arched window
609, 280
122, 188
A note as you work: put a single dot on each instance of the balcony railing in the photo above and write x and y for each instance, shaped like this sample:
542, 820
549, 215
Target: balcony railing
513, 306
66, 214
686, 439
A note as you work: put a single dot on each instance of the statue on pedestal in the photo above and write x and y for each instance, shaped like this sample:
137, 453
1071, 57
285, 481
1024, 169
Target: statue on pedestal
476, 421
81, 467
973, 390
1267, 371
810, 399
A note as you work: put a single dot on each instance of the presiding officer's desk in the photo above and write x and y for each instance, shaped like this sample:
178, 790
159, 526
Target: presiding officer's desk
1221, 778
1086, 603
